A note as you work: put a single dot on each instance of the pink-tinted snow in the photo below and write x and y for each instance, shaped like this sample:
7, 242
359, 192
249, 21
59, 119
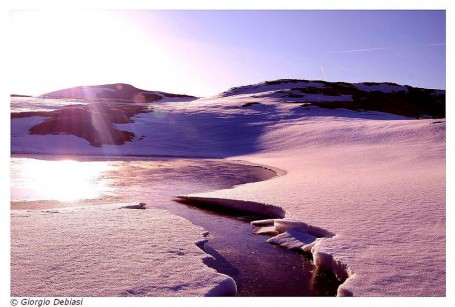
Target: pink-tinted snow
109, 252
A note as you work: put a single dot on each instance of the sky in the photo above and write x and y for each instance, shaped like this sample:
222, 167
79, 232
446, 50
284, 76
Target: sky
203, 53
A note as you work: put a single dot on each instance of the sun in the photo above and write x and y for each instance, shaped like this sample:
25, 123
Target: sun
75, 47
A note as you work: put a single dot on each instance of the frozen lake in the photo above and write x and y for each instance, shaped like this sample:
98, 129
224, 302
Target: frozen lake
259, 268
41, 180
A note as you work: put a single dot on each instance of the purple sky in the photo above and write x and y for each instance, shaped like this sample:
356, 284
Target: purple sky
205, 52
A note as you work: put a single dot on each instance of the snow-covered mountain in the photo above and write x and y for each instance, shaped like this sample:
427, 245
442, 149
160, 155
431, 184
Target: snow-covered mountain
116, 91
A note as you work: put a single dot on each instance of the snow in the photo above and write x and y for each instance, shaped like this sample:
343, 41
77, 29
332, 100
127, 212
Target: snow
322, 98
23, 104
93, 92
303, 98
245, 206
292, 239
381, 87
264, 87
267, 230
150, 253
289, 225
83, 92
174, 99
41, 143
89, 92
372, 185
377, 185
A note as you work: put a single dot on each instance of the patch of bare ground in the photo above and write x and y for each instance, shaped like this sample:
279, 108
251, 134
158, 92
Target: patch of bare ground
93, 122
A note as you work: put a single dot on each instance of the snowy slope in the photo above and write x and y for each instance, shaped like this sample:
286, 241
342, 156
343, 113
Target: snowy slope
143, 253
270, 86
376, 181
381, 190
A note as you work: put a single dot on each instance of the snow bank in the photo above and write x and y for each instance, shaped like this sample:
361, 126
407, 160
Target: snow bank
289, 234
235, 205
288, 225
109, 252
292, 239
303, 237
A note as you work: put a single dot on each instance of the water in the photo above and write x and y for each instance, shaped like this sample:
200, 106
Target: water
69, 181
259, 268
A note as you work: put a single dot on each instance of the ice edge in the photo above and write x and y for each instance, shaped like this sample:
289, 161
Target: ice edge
282, 226
227, 287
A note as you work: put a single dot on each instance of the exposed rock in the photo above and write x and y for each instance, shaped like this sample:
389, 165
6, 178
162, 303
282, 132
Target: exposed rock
386, 97
94, 122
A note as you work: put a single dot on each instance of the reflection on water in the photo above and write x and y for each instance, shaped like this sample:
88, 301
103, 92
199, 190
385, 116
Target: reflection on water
132, 179
62, 180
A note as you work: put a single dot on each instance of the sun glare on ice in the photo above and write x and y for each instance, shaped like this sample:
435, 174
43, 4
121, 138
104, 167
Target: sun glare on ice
63, 180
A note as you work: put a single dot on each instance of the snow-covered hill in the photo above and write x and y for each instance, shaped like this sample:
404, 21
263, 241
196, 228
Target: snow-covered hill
383, 97
119, 91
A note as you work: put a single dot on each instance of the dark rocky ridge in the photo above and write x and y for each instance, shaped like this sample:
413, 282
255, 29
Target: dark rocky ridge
402, 100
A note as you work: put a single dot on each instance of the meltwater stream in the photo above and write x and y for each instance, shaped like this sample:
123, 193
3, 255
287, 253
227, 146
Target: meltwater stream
259, 268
